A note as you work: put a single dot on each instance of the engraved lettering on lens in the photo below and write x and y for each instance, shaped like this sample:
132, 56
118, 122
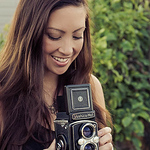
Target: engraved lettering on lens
80, 98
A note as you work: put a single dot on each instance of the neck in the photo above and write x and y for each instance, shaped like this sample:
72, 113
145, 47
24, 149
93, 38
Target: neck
50, 79
50, 82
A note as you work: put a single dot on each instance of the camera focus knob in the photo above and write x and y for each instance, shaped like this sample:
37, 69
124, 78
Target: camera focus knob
61, 143
81, 141
96, 139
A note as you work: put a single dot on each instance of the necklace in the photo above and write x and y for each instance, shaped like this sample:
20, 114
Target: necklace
53, 107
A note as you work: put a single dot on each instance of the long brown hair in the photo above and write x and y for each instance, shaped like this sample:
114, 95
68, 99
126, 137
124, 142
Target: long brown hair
21, 71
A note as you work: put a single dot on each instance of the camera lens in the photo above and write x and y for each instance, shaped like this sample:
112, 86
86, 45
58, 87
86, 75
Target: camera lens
89, 147
87, 131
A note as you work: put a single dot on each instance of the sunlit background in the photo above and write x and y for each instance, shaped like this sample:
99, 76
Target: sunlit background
7, 9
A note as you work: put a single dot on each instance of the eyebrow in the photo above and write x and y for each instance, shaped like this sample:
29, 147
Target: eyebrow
79, 29
64, 31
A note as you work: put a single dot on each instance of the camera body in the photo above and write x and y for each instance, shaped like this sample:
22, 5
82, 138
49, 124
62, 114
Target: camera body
75, 126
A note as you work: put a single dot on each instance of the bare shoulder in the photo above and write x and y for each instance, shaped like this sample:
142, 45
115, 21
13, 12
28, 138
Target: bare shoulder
95, 81
98, 91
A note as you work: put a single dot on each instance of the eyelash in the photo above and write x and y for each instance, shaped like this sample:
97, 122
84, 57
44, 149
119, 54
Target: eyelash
77, 38
52, 38
56, 39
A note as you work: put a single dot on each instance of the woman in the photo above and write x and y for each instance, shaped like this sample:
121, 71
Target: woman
48, 46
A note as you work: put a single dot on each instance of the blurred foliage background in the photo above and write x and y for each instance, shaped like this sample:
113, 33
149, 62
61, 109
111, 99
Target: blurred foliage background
121, 52
3, 35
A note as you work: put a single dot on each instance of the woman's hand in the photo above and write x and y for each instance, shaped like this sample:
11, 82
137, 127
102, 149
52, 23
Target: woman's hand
52, 146
105, 141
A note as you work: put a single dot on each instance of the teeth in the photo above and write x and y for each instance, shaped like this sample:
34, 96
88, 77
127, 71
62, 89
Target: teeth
59, 59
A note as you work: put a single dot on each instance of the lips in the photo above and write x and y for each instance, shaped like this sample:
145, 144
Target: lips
62, 60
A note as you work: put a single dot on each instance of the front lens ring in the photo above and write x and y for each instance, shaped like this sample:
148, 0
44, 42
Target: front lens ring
88, 130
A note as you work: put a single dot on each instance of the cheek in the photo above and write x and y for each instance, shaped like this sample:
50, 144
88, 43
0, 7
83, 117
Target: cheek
79, 46
48, 46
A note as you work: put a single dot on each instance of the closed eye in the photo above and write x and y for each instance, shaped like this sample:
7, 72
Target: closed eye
53, 38
77, 38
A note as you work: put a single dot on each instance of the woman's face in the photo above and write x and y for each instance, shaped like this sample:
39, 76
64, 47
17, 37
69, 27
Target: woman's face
63, 39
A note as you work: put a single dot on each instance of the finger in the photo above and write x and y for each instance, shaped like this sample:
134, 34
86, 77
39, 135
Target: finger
104, 131
107, 138
107, 146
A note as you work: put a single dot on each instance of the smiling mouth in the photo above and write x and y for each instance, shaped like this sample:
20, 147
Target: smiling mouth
60, 59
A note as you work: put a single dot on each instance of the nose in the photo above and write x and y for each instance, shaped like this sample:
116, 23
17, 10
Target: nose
66, 47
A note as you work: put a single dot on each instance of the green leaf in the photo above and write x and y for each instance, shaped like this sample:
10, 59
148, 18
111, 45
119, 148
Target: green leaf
113, 104
138, 127
117, 127
102, 43
118, 77
144, 115
127, 121
126, 46
137, 143
111, 37
128, 5
137, 105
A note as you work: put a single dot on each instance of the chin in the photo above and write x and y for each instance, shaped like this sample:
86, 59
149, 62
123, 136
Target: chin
60, 72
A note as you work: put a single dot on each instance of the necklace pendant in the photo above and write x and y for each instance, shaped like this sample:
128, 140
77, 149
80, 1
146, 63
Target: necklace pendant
52, 108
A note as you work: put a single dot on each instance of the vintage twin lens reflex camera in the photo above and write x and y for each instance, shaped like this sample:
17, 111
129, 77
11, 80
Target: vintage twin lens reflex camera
75, 125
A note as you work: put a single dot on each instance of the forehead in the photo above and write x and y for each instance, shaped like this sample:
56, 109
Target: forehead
68, 16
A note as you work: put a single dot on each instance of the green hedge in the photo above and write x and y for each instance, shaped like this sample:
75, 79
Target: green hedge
121, 43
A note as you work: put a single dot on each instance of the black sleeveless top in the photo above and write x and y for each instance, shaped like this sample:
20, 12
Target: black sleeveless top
32, 144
